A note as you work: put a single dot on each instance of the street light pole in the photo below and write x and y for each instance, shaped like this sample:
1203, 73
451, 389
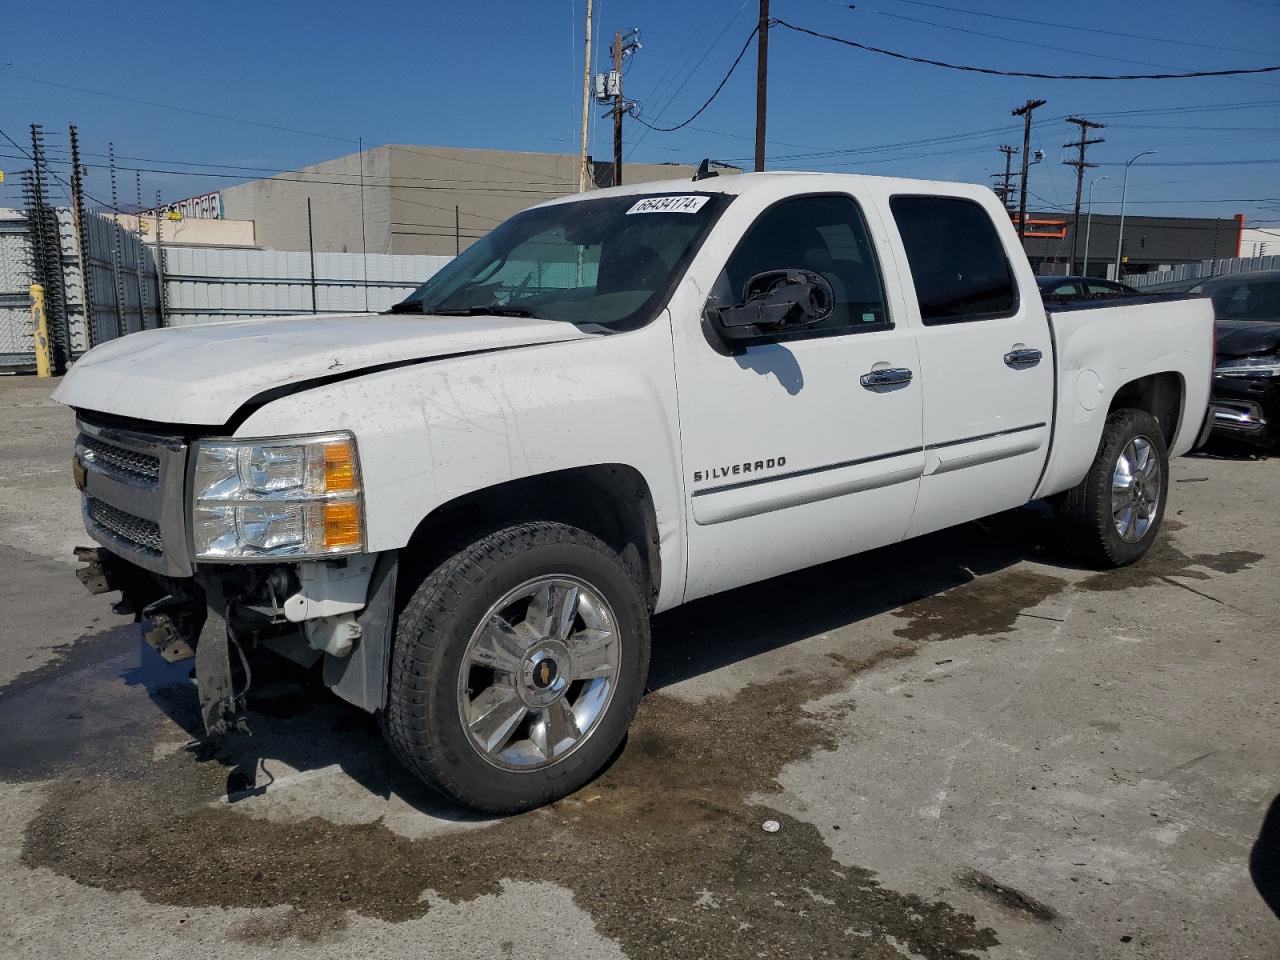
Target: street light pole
1088, 226
1124, 190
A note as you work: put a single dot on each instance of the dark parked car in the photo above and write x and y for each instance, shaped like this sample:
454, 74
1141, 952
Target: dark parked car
1246, 381
1062, 289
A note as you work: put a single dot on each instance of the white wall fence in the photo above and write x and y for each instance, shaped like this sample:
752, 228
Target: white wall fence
1203, 268
208, 283
136, 287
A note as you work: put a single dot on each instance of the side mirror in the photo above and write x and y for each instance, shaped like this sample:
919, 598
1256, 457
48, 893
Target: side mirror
772, 302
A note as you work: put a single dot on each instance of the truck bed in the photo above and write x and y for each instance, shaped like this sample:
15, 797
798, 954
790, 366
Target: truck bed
1100, 345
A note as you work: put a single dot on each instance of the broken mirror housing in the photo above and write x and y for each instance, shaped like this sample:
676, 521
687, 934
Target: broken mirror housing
292, 497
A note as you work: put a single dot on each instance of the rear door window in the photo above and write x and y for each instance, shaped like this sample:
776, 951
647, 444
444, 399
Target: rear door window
957, 262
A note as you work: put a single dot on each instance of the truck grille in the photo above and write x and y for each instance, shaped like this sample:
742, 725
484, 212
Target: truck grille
133, 485
129, 464
140, 533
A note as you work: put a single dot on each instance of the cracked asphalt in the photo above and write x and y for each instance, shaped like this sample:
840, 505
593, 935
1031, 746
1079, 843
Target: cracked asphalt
973, 749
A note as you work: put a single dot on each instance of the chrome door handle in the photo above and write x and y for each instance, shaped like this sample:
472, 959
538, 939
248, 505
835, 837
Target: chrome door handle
885, 378
1022, 358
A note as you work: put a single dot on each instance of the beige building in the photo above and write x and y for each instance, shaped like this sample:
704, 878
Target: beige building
417, 200
189, 231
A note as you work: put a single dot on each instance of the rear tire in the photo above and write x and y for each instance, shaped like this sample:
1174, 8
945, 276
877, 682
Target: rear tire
518, 666
1112, 518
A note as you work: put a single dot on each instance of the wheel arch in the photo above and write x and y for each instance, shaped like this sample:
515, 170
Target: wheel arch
613, 501
1163, 395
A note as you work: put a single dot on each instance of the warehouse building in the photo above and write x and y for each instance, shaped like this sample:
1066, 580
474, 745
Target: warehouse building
411, 199
1150, 243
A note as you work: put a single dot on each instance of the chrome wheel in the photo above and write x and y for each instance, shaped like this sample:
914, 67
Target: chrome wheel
538, 673
1136, 488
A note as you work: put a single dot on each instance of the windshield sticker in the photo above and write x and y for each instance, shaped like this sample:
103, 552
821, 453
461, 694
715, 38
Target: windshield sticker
669, 204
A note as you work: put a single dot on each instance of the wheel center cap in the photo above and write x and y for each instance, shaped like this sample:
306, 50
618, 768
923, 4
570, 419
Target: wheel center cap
545, 673
543, 678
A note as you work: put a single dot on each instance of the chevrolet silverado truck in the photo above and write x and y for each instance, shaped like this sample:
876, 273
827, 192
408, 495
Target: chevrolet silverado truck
462, 513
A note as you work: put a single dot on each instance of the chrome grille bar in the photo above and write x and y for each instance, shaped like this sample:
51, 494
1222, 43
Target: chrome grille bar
137, 532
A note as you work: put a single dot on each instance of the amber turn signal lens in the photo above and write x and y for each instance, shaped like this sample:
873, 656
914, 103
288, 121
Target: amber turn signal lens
339, 467
341, 525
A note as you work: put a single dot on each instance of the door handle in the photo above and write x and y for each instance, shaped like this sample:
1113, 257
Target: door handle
1018, 359
888, 377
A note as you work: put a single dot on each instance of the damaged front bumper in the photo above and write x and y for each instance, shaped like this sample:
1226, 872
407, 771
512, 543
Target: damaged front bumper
336, 615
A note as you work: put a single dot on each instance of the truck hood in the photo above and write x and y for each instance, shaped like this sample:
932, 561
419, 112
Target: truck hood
202, 374
1247, 338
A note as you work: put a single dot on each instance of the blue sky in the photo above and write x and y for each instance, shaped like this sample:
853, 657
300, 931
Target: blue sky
507, 75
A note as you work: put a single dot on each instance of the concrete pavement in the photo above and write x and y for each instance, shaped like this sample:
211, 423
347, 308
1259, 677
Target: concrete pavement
974, 749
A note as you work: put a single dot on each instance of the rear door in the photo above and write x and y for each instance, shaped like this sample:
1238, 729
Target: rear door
806, 446
986, 359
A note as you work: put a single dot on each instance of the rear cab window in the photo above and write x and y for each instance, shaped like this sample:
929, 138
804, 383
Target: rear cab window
958, 264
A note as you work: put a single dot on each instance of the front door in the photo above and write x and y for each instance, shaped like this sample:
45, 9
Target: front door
790, 458
986, 357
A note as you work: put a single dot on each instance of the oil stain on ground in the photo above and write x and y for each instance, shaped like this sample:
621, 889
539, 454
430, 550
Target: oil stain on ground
1165, 560
664, 850
990, 611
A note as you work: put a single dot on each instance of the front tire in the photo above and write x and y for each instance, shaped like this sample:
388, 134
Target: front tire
518, 665
1112, 518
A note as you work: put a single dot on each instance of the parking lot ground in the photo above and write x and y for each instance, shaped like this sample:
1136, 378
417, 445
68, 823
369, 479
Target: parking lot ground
973, 748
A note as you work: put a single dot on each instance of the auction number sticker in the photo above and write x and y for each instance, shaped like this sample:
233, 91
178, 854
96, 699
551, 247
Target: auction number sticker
669, 204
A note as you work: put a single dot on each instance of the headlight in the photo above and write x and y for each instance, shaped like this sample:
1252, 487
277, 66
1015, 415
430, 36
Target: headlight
1249, 367
294, 497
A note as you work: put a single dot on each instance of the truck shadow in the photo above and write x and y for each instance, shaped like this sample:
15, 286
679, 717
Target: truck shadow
714, 632
297, 726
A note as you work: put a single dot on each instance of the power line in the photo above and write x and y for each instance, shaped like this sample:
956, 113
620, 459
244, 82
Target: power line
1193, 108
1198, 163
714, 93
995, 36
1080, 29
337, 183
706, 51
62, 184
170, 106
926, 141
992, 71
317, 173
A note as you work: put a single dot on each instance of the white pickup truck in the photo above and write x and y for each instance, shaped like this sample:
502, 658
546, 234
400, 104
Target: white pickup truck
463, 512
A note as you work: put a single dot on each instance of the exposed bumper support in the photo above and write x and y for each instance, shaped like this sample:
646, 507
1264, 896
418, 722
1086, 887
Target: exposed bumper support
342, 613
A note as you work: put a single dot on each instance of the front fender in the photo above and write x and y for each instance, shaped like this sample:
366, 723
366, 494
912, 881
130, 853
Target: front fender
430, 433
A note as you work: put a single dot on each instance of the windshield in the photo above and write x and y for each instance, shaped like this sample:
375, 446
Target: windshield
1244, 298
611, 262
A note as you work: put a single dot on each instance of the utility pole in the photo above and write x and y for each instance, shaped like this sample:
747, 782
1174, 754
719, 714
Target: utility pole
617, 109
762, 80
609, 90
1024, 111
1080, 165
1005, 190
457, 231
583, 172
